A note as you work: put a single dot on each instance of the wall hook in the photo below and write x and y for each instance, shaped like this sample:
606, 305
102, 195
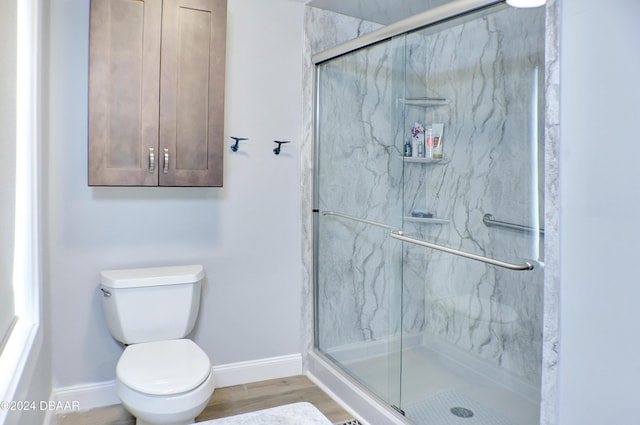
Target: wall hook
234, 147
276, 150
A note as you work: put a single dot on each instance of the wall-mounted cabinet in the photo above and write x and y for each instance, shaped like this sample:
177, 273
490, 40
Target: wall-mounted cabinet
156, 92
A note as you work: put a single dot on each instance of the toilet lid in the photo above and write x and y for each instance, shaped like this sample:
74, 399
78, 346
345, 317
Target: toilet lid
163, 367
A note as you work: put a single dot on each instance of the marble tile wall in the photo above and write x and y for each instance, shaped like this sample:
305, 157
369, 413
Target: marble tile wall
491, 71
323, 30
360, 174
551, 336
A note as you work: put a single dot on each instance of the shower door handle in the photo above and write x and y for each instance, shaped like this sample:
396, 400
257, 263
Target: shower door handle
397, 234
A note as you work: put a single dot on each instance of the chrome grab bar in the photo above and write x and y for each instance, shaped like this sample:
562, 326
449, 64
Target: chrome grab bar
361, 220
397, 234
489, 220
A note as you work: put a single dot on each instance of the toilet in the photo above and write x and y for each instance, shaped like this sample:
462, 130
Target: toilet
162, 378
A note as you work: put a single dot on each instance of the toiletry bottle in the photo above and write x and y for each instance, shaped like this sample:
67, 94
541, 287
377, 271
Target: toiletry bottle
438, 129
418, 140
407, 148
429, 138
420, 148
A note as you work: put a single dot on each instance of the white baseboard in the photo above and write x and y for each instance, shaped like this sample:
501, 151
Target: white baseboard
80, 398
100, 394
87, 396
257, 370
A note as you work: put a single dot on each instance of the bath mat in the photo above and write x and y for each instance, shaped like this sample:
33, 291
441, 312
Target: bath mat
452, 408
301, 413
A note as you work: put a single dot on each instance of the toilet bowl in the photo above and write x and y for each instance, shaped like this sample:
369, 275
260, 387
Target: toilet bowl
162, 378
164, 382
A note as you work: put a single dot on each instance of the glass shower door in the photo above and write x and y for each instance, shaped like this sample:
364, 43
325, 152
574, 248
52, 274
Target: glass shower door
428, 211
359, 201
472, 329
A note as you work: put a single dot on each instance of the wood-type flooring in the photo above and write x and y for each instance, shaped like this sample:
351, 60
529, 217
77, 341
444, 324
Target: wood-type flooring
231, 401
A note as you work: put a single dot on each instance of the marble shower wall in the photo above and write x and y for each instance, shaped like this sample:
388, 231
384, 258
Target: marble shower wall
491, 71
486, 68
323, 30
360, 174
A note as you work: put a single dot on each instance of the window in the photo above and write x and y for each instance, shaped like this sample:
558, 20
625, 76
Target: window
19, 272
8, 75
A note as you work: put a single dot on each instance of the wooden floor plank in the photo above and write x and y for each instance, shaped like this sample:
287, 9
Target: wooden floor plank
231, 401
265, 394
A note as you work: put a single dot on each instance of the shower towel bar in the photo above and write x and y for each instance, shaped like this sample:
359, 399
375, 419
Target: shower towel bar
361, 220
489, 220
397, 234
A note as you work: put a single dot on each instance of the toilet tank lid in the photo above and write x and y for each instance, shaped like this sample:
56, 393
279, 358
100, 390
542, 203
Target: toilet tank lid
151, 276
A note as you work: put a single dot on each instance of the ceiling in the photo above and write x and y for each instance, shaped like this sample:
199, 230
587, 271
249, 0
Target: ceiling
381, 11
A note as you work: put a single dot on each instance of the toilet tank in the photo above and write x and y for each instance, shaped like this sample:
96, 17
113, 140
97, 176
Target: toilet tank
151, 304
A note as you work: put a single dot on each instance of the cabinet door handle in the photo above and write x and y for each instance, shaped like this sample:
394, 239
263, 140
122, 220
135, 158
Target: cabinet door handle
166, 161
152, 160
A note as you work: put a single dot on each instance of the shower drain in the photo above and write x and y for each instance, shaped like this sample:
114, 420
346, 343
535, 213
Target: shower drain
461, 412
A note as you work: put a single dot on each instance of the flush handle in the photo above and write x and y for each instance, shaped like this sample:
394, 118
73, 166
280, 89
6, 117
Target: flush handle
105, 293
166, 161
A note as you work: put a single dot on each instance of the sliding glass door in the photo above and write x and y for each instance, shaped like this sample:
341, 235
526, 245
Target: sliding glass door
428, 212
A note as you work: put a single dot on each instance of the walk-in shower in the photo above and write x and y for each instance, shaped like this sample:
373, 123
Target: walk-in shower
429, 258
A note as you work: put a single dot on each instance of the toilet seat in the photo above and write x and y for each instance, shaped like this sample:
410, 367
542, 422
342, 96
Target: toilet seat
163, 367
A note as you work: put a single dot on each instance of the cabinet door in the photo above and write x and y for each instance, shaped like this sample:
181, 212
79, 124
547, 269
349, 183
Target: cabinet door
124, 67
192, 92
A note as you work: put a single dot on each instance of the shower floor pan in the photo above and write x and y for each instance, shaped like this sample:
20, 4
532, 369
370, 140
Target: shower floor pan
437, 382
446, 408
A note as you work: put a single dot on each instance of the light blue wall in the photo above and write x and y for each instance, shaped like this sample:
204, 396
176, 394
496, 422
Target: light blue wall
599, 360
246, 234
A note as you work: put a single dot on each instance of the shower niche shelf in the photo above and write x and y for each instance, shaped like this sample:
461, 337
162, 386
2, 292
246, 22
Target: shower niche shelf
433, 220
424, 160
425, 101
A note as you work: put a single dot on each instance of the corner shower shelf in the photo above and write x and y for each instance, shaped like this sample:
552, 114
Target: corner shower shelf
424, 160
425, 101
433, 220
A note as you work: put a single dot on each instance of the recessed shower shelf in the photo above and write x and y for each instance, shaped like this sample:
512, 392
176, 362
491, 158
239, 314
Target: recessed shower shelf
433, 220
425, 101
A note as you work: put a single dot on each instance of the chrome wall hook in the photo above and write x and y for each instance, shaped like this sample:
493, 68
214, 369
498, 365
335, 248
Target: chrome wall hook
234, 147
276, 150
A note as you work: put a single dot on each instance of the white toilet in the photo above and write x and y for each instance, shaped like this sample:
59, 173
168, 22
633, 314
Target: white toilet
161, 378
